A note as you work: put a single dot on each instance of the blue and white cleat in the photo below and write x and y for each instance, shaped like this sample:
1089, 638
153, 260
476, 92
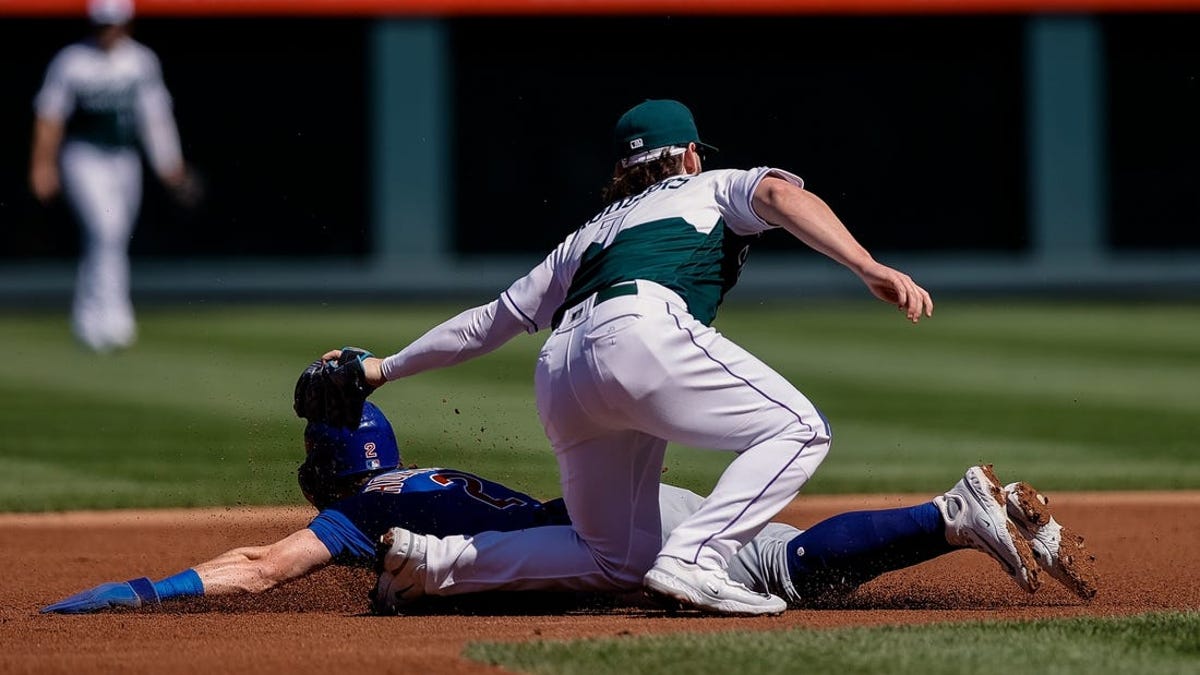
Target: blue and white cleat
975, 513
1058, 550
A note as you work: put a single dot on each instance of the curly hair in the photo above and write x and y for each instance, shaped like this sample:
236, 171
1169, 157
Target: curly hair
631, 180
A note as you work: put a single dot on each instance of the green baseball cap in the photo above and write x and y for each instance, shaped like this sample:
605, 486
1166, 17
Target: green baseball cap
653, 124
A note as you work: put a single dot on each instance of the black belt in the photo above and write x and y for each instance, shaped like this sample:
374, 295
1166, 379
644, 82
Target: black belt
615, 291
604, 295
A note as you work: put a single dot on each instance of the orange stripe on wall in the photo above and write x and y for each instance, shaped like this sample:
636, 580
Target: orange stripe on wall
626, 7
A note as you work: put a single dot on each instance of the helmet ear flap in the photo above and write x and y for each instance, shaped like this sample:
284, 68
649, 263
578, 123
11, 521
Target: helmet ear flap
316, 485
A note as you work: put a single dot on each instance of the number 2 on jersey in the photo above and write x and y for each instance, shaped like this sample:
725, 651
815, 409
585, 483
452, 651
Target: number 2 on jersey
474, 487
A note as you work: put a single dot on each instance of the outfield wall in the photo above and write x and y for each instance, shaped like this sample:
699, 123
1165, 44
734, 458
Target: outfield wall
984, 146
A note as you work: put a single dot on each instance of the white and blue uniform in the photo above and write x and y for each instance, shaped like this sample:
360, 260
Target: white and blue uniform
835, 555
442, 502
434, 501
109, 102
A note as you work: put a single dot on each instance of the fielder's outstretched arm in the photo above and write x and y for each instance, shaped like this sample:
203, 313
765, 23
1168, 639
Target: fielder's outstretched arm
527, 306
810, 220
252, 569
472, 333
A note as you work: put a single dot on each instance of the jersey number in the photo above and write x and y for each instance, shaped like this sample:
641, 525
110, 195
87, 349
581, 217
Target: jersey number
474, 488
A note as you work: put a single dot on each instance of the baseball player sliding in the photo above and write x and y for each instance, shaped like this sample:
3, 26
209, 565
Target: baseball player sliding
632, 362
101, 96
354, 477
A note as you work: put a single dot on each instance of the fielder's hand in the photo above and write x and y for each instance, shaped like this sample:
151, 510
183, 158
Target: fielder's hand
333, 389
132, 593
897, 288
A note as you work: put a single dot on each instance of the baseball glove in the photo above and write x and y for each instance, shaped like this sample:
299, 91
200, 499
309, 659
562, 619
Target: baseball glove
333, 392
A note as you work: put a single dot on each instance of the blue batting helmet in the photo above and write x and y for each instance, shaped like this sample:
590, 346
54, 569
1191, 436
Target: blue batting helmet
334, 453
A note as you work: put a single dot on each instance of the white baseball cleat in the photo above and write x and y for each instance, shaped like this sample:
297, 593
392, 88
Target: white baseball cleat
400, 561
708, 590
975, 514
1058, 550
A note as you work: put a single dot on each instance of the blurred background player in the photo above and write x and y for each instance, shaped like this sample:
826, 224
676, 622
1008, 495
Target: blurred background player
354, 477
100, 98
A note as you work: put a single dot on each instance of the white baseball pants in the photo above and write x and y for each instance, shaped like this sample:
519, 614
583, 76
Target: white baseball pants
104, 188
614, 385
761, 564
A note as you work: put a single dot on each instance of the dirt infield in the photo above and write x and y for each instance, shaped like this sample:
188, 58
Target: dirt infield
1146, 544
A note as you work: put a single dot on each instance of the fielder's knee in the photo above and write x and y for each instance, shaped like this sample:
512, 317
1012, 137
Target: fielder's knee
813, 434
822, 431
813, 438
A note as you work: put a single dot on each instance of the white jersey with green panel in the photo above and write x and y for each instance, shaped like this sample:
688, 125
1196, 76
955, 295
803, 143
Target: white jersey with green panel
625, 375
690, 234
111, 98
109, 102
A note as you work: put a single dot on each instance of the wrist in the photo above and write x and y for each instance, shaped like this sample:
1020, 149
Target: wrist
863, 265
183, 585
386, 370
145, 591
374, 371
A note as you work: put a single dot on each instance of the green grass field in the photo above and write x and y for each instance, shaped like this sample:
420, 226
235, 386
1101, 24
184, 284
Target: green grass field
1068, 396
1148, 644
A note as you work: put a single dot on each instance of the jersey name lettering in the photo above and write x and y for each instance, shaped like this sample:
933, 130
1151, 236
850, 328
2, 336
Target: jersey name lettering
669, 184
391, 482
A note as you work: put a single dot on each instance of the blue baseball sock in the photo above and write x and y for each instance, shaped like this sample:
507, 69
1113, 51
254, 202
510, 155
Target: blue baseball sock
185, 584
847, 550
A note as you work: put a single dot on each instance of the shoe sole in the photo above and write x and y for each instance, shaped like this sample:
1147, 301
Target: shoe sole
1073, 567
671, 586
1024, 551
